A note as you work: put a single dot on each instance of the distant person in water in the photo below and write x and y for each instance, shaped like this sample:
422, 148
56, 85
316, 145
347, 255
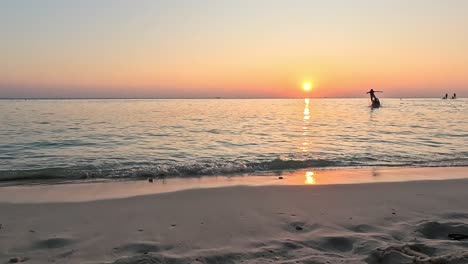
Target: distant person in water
372, 95
446, 96
454, 96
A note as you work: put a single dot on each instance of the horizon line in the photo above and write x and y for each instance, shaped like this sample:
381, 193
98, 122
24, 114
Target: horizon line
201, 98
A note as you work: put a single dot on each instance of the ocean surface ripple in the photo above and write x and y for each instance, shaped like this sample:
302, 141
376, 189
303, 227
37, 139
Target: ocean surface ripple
88, 139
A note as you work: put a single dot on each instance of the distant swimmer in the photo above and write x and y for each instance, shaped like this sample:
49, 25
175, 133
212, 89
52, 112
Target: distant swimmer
446, 96
372, 95
454, 96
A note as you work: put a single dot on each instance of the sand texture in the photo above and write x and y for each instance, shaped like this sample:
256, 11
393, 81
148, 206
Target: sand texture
406, 222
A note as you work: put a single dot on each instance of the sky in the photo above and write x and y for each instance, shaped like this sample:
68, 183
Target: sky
233, 49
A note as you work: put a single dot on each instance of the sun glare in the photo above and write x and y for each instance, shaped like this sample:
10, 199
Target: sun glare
307, 86
309, 178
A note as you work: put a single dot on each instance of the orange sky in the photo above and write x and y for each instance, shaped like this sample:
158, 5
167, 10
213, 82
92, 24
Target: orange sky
242, 49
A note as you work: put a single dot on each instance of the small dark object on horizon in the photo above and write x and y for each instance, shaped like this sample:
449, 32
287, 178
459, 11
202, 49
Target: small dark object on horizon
280, 177
150, 179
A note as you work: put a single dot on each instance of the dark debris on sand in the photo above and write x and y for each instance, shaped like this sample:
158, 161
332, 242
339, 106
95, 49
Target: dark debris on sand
18, 260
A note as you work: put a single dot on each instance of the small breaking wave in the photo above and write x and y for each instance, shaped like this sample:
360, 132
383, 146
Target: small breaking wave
202, 168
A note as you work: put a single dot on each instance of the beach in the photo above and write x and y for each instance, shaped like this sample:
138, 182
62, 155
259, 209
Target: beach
378, 222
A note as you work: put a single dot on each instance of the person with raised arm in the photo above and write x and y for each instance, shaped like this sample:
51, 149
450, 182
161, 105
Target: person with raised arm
372, 94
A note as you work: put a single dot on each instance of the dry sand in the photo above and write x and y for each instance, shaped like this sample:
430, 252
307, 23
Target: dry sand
399, 222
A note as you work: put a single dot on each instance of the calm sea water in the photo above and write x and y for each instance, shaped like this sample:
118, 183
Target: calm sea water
80, 139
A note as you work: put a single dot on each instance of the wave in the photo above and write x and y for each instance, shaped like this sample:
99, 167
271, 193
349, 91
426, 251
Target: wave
205, 168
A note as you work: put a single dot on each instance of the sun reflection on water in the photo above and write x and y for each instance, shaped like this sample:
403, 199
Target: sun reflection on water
306, 109
305, 127
309, 178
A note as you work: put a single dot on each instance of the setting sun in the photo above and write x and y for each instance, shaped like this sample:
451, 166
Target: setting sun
307, 86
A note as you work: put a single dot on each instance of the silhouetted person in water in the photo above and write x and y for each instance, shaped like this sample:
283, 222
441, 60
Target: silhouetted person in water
454, 96
372, 95
446, 96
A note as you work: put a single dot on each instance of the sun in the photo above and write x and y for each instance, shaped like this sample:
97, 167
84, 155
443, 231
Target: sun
307, 86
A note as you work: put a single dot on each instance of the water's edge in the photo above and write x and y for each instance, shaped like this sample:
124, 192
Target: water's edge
86, 190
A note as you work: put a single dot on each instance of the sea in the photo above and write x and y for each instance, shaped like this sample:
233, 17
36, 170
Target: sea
132, 138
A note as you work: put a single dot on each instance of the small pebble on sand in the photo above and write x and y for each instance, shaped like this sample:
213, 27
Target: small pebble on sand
16, 260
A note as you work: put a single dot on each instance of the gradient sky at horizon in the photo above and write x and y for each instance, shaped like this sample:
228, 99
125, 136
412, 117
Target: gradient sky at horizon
181, 49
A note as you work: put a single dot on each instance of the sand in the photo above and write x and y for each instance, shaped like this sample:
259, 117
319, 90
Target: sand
396, 222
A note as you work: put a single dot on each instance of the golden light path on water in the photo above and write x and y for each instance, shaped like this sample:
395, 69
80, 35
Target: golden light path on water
309, 176
305, 127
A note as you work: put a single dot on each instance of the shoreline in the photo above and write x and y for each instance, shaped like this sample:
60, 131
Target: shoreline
81, 191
